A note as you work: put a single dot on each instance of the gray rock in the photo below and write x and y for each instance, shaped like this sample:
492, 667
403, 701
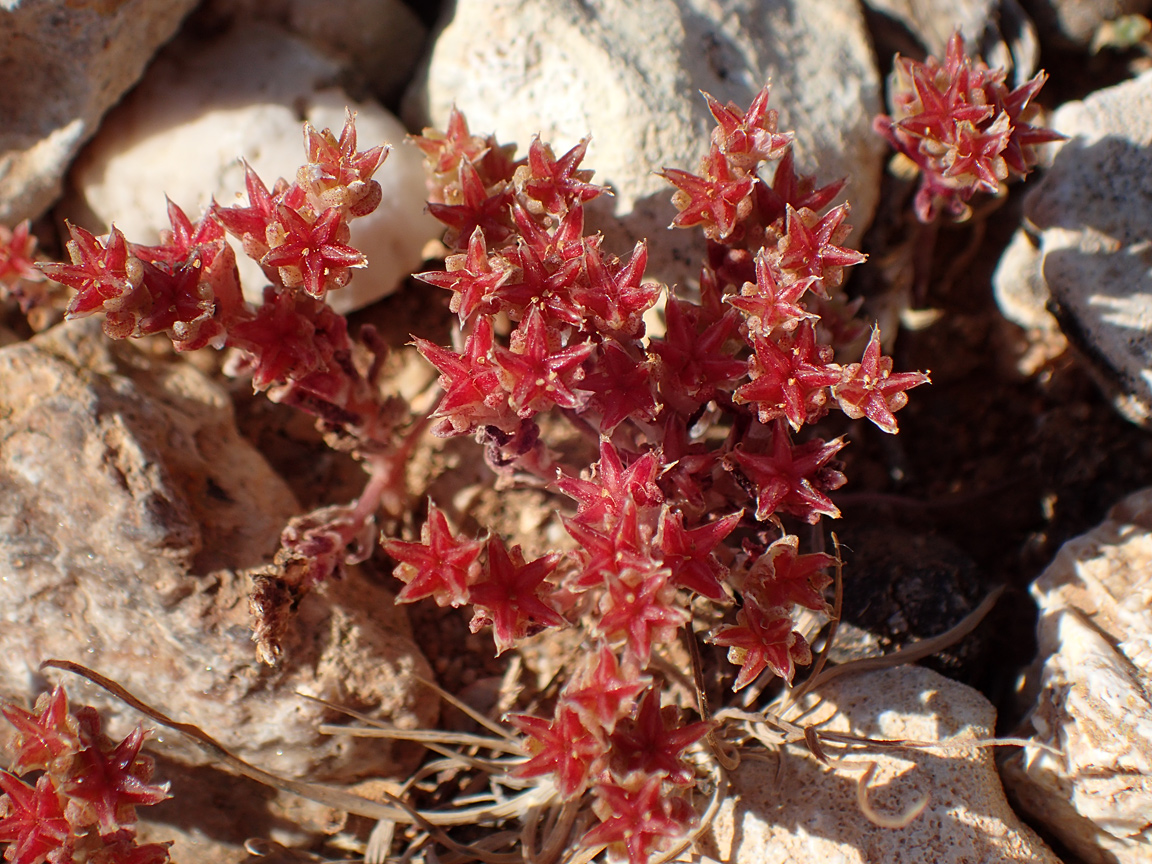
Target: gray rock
130, 504
1075, 22
64, 64
376, 43
1093, 677
204, 106
628, 75
1090, 211
790, 808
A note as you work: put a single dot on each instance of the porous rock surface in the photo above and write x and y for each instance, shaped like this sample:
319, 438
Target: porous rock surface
205, 105
63, 65
1094, 677
129, 505
1090, 214
789, 807
628, 74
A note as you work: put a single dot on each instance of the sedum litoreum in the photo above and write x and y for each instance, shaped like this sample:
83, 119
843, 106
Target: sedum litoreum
703, 432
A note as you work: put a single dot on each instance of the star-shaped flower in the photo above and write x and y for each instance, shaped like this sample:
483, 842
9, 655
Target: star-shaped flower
557, 184
606, 692
473, 396
638, 819
693, 364
641, 607
337, 173
43, 737
312, 255
621, 387
688, 552
791, 479
563, 746
748, 138
771, 303
477, 208
762, 639
109, 786
509, 596
624, 546
718, 200
602, 497
470, 277
100, 272
442, 565
790, 377
781, 577
808, 248
34, 822
654, 742
870, 389
537, 373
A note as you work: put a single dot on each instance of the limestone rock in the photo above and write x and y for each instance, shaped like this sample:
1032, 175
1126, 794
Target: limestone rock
1091, 213
204, 106
628, 75
64, 64
129, 504
1095, 674
791, 808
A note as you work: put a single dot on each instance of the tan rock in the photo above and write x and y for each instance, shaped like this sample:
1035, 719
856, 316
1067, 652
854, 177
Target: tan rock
789, 808
65, 64
1094, 679
130, 504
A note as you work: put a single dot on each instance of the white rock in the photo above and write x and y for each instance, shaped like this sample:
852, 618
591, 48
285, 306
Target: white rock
628, 75
65, 64
1093, 705
1091, 213
790, 808
201, 108
1019, 287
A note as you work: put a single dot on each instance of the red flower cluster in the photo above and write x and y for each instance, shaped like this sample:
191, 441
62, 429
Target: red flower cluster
293, 344
83, 804
697, 427
962, 127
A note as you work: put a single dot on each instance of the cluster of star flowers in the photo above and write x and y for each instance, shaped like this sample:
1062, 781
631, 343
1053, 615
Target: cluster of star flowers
292, 344
20, 280
702, 454
79, 793
962, 127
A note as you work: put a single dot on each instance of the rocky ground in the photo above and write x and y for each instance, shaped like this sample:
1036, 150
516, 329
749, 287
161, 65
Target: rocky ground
1033, 317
